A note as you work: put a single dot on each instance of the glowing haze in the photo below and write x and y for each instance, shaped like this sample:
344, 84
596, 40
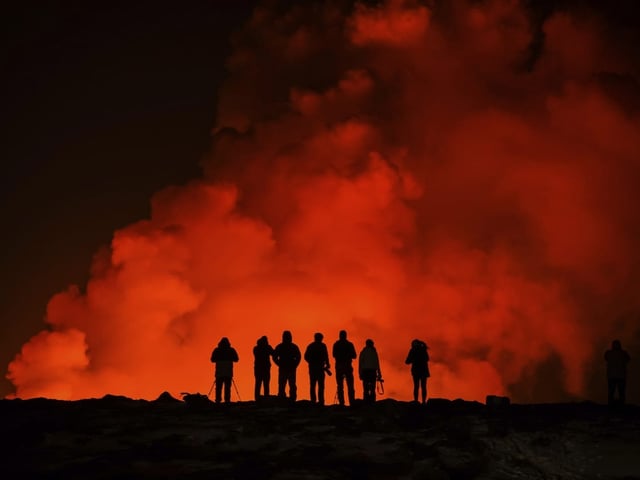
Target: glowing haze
466, 174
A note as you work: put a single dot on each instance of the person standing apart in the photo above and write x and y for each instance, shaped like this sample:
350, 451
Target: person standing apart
418, 358
344, 353
224, 356
369, 371
287, 357
317, 356
617, 360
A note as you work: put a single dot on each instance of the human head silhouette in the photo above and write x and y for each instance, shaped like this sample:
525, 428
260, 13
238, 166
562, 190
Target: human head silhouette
342, 335
263, 340
224, 342
369, 342
318, 337
286, 336
616, 345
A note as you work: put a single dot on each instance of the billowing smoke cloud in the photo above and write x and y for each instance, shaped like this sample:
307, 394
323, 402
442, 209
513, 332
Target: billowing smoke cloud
464, 173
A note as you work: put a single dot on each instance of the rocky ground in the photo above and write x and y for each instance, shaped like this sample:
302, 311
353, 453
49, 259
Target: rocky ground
116, 437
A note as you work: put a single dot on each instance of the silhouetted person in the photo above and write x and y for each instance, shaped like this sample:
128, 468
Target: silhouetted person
287, 357
418, 358
224, 356
317, 356
369, 371
344, 353
262, 354
617, 360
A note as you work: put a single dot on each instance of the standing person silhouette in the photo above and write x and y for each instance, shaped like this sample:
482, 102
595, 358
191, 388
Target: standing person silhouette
617, 360
369, 371
287, 357
317, 357
262, 354
344, 353
224, 357
418, 358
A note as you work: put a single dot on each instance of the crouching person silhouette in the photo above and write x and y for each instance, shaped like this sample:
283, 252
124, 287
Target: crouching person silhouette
317, 356
287, 357
418, 358
369, 371
262, 354
224, 356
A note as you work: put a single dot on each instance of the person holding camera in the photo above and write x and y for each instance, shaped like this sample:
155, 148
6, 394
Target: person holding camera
317, 356
418, 358
262, 354
344, 353
224, 356
369, 371
286, 356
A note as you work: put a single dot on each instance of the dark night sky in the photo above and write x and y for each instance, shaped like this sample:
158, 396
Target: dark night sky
103, 105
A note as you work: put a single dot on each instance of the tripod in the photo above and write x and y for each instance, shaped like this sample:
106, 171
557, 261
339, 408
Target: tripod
236, 389
213, 385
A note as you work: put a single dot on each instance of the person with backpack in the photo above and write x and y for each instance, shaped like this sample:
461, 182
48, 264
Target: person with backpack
317, 356
224, 356
369, 371
287, 357
262, 354
418, 358
344, 353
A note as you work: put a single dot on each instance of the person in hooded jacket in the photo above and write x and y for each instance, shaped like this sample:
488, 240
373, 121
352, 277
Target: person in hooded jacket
344, 353
317, 356
287, 357
224, 356
369, 371
617, 360
262, 354
418, 358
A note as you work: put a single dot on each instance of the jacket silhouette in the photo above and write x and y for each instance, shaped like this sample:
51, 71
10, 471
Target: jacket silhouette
617, 360
369, 371
224, 357
287, 357
262, 354
418, 358
344, 353
317, 356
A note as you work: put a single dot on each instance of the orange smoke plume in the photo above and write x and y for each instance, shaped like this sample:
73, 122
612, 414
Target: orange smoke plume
465, 173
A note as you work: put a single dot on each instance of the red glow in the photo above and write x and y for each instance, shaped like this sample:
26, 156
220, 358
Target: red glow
427, 181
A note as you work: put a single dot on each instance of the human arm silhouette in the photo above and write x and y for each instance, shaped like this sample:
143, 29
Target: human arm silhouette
296, 356
378, 371
325, 357
307, 353
409, 359
276, 356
